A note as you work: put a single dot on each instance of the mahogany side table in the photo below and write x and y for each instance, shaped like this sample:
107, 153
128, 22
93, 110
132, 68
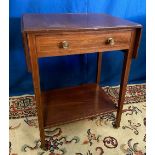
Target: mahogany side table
46, 35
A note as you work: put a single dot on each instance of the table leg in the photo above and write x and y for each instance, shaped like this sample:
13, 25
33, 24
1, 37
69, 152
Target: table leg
99, 64
36, 85
123, 85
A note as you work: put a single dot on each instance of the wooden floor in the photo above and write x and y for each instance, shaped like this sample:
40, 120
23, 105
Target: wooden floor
75, 103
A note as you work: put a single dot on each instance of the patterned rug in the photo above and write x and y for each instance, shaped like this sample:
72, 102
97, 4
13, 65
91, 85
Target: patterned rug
94, 136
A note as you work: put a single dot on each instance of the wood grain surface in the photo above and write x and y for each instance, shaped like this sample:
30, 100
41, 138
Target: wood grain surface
76, 21
79, 43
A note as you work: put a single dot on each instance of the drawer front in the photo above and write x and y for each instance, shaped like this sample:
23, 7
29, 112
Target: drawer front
79, 43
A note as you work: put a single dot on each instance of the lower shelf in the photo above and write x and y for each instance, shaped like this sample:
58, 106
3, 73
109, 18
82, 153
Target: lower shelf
75, 103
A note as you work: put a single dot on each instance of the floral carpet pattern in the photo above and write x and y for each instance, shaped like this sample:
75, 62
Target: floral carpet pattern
93, 136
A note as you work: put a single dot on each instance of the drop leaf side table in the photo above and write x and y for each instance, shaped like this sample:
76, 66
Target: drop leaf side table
46, 35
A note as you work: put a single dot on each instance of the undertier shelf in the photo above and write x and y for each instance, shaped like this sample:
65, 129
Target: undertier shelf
75, 103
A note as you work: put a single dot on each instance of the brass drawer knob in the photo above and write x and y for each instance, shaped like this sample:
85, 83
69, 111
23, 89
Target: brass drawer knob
65, 45
111, 41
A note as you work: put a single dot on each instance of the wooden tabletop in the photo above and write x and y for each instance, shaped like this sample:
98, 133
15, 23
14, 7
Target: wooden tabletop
69, 21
